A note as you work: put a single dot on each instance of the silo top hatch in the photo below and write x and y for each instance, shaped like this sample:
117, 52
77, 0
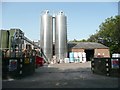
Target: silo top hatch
45, 12
61, 13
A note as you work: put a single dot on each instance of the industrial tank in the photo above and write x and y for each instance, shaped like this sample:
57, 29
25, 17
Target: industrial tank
46, 34
60, 36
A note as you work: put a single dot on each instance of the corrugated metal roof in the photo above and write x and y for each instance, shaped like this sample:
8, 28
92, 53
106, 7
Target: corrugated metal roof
89, 45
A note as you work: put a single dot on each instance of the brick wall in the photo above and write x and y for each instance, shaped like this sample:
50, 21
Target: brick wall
77, 50
106, 52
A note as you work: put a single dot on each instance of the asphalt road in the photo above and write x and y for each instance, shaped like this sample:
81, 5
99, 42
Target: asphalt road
71, 75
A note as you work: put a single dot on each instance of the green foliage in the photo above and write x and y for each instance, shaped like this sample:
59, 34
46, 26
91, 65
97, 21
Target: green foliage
109, 34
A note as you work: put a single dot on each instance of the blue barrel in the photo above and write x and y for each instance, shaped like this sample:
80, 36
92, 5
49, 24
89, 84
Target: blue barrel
78, 59
71, 54
71, 59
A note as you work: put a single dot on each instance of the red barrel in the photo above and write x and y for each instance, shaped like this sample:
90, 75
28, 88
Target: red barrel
39, 61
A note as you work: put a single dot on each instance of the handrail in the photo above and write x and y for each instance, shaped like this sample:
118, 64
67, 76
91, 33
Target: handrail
45, 58
42, 53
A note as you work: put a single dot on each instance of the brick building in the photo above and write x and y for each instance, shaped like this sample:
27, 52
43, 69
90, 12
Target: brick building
92, 49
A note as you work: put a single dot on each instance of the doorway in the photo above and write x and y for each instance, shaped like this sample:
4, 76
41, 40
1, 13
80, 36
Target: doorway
89, 54
53, 49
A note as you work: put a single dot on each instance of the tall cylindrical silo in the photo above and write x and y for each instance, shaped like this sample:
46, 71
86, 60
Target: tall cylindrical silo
60, 36
46, 34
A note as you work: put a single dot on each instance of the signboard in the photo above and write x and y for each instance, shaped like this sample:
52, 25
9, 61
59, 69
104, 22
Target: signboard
27, 61
115, 63
30, 60
12, 65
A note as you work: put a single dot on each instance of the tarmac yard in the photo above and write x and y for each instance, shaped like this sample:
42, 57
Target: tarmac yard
64, 75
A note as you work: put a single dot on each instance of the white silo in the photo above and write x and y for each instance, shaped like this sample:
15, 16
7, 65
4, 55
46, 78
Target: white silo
60, 36
46, 34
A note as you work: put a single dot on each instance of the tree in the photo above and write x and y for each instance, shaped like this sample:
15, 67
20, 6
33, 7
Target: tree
109, 34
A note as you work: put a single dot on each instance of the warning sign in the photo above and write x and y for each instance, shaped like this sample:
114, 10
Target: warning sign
115, 63
12, 65
27, 61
